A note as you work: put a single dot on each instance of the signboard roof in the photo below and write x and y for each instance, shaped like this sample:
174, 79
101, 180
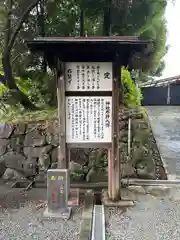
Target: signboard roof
110, 39
72, 49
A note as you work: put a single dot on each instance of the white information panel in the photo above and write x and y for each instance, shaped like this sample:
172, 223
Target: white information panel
88, 76
88, 119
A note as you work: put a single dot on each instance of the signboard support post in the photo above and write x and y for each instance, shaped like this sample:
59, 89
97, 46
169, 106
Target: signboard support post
58, 180
114, 179
118, 99
62, 159
110, 179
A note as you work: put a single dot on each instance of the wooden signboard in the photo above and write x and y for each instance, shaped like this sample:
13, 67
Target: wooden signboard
88, 76
88, 118
81, 84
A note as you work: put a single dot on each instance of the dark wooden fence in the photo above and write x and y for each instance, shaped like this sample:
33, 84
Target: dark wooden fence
161, 95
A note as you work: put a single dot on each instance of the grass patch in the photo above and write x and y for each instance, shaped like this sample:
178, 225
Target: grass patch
23, 116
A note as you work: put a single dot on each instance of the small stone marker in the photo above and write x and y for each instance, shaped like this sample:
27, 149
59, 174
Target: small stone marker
58, 184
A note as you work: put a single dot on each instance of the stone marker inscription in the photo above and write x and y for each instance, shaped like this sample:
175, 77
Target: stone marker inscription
57, 189
88, 76
88, 119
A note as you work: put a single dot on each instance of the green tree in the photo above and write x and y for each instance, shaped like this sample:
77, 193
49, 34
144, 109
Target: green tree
143, 18
121, 17
16, 14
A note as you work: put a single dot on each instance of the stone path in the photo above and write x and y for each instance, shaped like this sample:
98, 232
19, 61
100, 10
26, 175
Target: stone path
165, 123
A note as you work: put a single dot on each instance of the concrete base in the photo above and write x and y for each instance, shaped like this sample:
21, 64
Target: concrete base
58, 214
121, 203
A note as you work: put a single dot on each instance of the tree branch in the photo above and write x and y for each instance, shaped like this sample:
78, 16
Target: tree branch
10, 39
19, 24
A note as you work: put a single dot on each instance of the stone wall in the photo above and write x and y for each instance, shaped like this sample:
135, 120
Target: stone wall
144, 160
26, 148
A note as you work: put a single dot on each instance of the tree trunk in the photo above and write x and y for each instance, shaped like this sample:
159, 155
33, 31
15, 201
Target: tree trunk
107, 19
41, 22
82, 23
10, 37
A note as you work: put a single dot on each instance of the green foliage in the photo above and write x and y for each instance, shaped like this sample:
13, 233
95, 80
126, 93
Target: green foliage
131, 92
79, 174
37, 86
3, 89
126, 21
144, 19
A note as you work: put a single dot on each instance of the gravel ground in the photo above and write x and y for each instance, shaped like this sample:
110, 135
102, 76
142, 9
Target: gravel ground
21, 218
155, 216
28, 223
152, 218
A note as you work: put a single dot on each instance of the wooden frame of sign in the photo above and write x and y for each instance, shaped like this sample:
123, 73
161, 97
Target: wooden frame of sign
115, 50
63, 161
114, 166
112, 94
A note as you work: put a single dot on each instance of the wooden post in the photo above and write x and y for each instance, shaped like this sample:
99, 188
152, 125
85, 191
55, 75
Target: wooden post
62, 160
118, 163
110, 179
114, 169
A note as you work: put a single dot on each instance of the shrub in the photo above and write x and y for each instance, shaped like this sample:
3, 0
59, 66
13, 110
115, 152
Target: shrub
36, 87
131, 92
